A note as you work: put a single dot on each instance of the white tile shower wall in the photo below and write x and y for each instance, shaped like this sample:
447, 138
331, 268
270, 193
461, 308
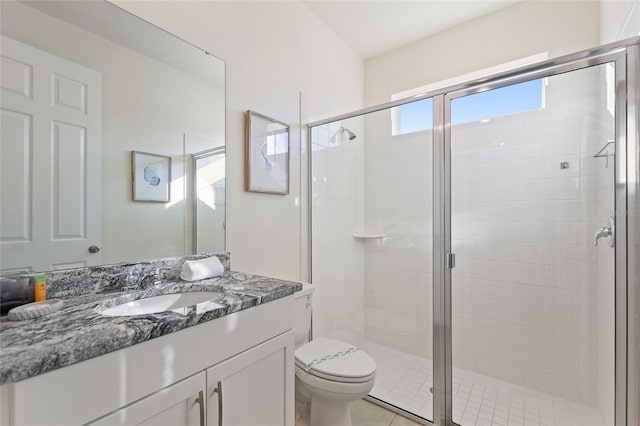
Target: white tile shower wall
338, 259
525, 287
398, 269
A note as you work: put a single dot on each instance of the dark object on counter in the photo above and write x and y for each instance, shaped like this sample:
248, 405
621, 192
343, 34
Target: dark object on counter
15, 291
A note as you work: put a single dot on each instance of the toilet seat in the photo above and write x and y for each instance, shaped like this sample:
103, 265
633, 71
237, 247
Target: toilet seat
335, 361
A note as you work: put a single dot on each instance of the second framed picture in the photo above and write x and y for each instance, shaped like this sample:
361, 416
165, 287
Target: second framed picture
266, 154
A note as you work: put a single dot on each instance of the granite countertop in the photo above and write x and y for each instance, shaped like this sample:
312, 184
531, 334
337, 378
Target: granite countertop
78, 332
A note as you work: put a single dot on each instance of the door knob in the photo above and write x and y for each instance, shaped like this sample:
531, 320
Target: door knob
94, 249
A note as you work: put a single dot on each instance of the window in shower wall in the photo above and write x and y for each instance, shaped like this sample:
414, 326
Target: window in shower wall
372, 250
510, 100
412, 117
532, 297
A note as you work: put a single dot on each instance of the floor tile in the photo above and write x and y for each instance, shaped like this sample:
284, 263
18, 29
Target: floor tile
405, 380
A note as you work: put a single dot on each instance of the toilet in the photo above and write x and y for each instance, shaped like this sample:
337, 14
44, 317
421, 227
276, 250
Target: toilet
329, 373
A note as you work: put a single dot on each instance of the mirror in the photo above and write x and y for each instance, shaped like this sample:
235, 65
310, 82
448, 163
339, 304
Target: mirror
85, 83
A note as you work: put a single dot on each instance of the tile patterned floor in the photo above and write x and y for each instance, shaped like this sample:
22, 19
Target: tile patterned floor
404, 380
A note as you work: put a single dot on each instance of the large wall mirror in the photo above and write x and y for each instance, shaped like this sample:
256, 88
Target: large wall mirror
83, 84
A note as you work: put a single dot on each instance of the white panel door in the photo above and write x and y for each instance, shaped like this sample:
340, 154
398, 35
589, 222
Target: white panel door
50, 165
176, 405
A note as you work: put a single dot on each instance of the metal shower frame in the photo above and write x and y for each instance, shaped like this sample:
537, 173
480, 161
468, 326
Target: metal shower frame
625, 55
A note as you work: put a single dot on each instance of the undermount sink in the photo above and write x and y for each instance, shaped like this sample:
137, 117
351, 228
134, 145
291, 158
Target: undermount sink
181, 303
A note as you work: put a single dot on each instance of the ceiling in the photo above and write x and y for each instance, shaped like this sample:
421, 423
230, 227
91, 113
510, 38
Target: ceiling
376, 26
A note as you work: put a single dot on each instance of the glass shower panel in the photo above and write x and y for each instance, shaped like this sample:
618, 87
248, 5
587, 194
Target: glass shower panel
372, 245
532, 297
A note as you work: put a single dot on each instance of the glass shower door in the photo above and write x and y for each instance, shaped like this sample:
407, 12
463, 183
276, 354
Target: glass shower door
397, 267
372, 246
532, 296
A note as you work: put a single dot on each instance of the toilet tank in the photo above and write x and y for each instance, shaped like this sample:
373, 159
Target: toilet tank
303, 308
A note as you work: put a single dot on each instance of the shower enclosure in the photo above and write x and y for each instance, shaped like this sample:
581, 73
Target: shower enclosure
480, 243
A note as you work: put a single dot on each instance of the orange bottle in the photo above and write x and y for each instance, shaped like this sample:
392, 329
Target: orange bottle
40, 288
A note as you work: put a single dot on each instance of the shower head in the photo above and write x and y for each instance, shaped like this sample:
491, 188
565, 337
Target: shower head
351, 135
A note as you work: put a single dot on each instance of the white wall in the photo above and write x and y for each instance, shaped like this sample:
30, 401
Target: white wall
273, 51
619, 20
524, 29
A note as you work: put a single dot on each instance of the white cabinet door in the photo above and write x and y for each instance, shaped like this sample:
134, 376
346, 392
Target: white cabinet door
255, 388
50, 168
176, 405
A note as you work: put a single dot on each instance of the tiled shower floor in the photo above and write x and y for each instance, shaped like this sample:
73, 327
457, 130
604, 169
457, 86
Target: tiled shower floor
404, 380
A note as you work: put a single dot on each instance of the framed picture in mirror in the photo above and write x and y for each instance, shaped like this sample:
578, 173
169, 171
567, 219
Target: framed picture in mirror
266, 154
151, 177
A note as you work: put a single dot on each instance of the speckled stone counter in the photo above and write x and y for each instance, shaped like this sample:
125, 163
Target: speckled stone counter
78, 332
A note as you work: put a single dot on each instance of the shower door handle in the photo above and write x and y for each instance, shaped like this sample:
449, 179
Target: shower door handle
451, 260
606, 232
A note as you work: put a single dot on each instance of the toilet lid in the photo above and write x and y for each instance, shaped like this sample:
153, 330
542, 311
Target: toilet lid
335, 360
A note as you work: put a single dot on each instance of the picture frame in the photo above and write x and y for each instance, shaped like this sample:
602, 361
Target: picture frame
266, 154
151, 177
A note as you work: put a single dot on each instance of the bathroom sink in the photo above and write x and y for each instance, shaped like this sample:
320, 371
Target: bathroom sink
182, 303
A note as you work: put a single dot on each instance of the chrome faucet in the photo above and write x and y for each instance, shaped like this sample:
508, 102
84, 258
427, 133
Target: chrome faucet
153, 278
602, 232
607, 232
145, 280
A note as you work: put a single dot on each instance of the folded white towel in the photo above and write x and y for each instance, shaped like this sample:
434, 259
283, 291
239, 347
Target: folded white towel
194, 270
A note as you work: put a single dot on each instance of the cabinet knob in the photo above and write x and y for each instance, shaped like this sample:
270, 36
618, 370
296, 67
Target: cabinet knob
94, 249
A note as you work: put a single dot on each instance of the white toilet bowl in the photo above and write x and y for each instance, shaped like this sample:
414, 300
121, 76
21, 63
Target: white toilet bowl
333, 374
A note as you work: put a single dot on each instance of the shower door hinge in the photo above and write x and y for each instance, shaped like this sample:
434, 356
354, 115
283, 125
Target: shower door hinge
451, 260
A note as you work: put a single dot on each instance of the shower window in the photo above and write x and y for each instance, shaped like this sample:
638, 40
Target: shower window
510, 100
403, 119
413, 117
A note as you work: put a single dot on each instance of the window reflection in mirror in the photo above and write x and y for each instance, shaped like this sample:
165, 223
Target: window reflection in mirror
209, 201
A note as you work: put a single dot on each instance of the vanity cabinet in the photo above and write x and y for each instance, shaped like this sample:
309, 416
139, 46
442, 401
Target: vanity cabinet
176, 405
248, 354
252, 388
249, 389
